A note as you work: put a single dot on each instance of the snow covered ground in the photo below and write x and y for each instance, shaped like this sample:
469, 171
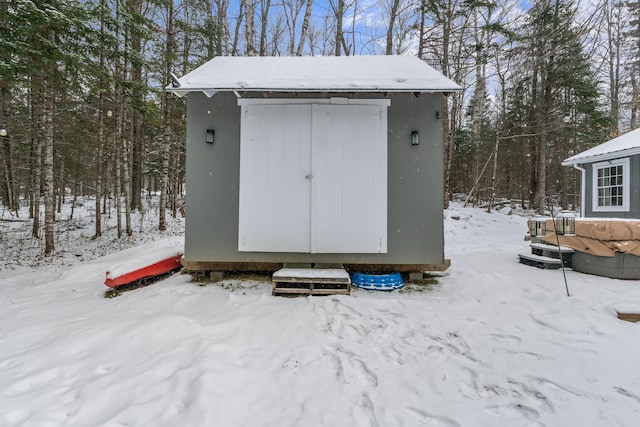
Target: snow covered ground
494, 343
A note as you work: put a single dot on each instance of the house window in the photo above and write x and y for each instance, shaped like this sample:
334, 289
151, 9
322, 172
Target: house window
611, 186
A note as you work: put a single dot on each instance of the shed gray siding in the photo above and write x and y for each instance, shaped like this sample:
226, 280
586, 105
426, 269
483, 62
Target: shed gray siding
415, 185
634, 195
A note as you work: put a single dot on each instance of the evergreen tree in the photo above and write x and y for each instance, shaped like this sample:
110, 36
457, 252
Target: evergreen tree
556, 89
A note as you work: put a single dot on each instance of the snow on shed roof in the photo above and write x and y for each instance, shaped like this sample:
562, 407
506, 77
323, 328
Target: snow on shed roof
314, 73
622, 146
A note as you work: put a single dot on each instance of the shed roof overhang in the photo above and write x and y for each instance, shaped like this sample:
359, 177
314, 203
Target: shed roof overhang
338, 74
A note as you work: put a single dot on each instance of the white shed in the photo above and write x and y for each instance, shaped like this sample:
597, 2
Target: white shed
314, 160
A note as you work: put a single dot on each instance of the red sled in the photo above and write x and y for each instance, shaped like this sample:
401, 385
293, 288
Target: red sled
159, 268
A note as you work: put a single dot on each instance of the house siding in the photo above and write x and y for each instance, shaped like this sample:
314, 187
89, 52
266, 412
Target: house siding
414, 185
634, 195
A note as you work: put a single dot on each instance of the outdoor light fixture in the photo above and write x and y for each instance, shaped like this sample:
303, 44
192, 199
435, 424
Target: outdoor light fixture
209, 139
109, 113
3, 130
567, 117
438, 115
538, 226
415, 137
565, 223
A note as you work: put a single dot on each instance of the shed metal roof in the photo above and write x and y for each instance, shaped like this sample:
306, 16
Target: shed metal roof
313, 74
622, 146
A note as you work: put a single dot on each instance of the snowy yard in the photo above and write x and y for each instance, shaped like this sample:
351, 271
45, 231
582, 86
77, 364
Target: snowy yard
494, 343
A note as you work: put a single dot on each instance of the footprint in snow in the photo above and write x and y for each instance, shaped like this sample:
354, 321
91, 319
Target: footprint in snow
513, 411
363, 371
627, 393
364, 411
506, 338
426, 418
103, 369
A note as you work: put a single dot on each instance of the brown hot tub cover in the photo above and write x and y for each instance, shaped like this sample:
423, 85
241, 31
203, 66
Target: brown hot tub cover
600, 236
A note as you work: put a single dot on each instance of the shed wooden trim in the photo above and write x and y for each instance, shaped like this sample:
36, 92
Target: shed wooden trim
231, 266
334, 100
398, 268
275, 266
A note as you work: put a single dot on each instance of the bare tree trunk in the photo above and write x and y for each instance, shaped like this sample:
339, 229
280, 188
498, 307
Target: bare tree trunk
209, 42
37, 182
223, 44
291, 10
541, 165
11, 199
542, 173
264, 20
494, 173
119, 114
164, 177
37, 107
351, 49
613, 23
446, 119
126, 182
477, 102
49, 196
123, 132
136, 118
448, 150
166, 143
117, 187
100, 143
61, 173
305, 27
215, 42
173, 177
339, 14
236, 35
250, 31
421, 40
392, 20
12, 196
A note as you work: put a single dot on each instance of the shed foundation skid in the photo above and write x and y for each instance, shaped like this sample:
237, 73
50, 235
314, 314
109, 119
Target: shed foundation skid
311, 281
205, 267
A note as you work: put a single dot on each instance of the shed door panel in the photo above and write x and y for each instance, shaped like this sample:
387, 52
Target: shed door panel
313, 178
275, 159
349, 187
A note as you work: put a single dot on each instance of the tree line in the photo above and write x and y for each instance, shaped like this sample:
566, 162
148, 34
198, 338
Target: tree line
83, 111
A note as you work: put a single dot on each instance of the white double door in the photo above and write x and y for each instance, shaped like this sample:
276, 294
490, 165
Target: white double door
313, 178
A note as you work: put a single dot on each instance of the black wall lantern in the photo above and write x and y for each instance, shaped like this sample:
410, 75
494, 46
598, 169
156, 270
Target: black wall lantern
415, 137
209, 138
3, 130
